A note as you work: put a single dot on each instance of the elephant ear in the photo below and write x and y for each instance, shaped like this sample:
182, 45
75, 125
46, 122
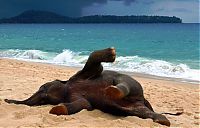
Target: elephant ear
59, 110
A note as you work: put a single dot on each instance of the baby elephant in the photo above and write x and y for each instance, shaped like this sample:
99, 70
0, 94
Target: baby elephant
92, 88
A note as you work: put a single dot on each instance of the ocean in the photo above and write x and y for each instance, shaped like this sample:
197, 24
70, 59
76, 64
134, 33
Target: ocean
167, 50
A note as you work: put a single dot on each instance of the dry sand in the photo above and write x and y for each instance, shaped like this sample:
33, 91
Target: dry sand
19, 80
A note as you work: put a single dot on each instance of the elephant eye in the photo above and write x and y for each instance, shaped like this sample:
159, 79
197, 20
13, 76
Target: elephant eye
44, 99
44, 96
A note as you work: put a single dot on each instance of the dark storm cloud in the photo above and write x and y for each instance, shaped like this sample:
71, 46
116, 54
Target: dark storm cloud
126, 2
65, 7
188, 10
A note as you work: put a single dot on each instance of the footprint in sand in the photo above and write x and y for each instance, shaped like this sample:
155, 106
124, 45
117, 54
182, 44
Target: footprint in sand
196, 123
9, 89
188, 113
19, 115
196, 116
53, 120
25, 113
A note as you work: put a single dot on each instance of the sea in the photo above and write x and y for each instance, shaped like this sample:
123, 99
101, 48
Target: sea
166, 50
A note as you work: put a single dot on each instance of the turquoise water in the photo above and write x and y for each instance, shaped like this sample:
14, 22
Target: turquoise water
170, 50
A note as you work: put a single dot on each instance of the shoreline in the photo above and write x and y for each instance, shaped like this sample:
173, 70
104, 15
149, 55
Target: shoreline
20, 79
137, 74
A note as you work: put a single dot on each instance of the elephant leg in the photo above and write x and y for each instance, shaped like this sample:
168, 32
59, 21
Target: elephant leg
123, 86
140, 110
117, 92
93, 67
71, 108
148, 105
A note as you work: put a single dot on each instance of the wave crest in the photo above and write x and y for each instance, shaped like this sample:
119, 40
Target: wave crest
153, 67
70, 58
122, 63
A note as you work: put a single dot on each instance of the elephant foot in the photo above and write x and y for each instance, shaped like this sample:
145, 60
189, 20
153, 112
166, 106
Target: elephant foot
114, 93
113, 53
105, 55
59, 110
161, 120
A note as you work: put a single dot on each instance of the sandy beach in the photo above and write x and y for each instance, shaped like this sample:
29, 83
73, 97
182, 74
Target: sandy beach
19, 80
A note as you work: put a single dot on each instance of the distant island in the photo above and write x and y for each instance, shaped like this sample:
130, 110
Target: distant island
33, 16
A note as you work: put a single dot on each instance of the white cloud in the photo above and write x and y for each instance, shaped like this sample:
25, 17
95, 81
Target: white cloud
188, 10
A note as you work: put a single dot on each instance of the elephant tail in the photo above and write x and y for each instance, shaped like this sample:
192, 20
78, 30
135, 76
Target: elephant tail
174, 114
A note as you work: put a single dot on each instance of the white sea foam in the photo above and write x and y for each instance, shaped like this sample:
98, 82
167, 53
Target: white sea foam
69, 58
25, 54
122, 63
154, 67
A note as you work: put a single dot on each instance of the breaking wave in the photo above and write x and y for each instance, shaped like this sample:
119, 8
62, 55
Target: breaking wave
122, 63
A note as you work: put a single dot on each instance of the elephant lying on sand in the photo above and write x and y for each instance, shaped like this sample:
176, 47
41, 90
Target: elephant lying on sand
92, 88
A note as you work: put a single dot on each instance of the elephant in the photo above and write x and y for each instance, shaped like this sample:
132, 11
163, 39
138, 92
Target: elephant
94, 88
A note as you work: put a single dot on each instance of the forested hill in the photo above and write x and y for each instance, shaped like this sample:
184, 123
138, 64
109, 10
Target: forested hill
50, 17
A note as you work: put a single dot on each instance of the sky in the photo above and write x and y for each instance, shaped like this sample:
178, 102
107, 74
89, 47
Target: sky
187, 10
